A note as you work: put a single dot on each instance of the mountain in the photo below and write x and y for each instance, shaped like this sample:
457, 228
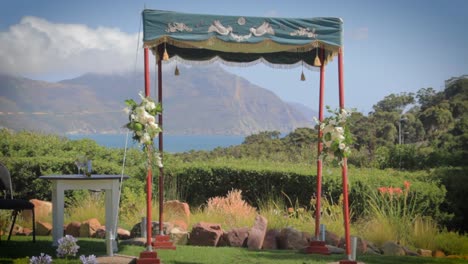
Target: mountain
202, 100
307, 112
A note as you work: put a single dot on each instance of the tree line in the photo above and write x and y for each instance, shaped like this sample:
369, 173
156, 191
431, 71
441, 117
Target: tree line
411, 131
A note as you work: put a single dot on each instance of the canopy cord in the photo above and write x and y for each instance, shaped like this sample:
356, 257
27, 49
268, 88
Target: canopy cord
120, 187
137, 47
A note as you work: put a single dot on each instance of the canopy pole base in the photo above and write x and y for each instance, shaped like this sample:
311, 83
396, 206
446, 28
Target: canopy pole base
148, 257
317, 247
163, 242
345, 261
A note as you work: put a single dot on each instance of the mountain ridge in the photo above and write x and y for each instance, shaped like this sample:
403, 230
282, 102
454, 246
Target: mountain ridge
202, 101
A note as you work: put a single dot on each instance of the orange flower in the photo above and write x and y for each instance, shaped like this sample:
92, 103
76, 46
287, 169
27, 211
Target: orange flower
383, 190
397, 190
407, 185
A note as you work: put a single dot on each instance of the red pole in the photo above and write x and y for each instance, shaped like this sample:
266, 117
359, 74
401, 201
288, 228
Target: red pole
149, 174
160, 121
319, 148
344, 168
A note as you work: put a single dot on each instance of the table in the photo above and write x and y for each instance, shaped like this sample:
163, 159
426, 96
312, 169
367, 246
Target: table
109, 183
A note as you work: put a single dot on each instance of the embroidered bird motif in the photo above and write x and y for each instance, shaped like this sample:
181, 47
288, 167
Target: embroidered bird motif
265, 28
219, 28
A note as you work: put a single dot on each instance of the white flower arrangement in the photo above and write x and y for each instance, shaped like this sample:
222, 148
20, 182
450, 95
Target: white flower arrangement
336, 136
67, 247
142, 121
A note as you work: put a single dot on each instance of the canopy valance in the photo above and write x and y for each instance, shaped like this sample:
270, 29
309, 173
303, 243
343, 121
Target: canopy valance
242, 39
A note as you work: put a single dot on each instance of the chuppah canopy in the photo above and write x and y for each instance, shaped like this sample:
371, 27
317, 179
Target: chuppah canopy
278, 42
243, 39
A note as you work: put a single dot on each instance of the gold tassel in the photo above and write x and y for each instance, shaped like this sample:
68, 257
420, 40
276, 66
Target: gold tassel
165, 55
317, 61
302, 71
176, 72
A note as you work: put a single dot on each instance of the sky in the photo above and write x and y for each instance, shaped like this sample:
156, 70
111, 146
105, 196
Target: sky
389, 46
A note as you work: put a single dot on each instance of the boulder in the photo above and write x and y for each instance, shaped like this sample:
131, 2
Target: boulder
257, 233
88, 228
17, 229
123, 233
100, 233
205, 234
25, 232
178, 213
136, 241
223, 240
335, 250
179, 236
332, 238
391, 248
73, 229
291, 238
361, 246
438, 254
43, 228
136, 229
271, 239
372, 248
237, 237
42, 210
409, 252
424, 252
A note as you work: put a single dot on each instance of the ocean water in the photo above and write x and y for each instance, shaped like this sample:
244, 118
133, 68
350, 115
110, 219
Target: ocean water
172, 143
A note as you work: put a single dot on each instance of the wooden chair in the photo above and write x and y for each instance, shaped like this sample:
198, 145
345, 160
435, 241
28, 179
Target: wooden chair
9, 203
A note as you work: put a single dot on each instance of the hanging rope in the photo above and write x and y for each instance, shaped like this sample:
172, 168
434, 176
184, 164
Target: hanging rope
116, 216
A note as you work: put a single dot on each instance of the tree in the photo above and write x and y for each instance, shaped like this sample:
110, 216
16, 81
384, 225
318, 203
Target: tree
394, 103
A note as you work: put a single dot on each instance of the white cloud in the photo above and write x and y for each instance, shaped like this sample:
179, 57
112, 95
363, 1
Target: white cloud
37, 46
361, 33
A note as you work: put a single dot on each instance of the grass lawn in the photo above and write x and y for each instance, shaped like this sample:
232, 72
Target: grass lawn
21, 248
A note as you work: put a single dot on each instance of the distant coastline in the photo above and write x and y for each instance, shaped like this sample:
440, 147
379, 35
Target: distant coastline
172, 143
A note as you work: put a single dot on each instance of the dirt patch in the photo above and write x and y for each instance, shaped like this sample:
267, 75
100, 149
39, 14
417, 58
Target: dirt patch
117, 259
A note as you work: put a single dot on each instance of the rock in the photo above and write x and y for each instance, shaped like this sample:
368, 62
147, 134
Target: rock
100, 233
335, 250
332, 238
271, 239
26, 231
205, 234
223, 240
291, 238
410, 252
178, 213
390, 248
237, 237
73, 229
136, 230
17, 229
88, 228
257, 233
424, 252
178, 236
123, 233
136, 241
42, 210
372, 248
438, 254
361, 246
43, 228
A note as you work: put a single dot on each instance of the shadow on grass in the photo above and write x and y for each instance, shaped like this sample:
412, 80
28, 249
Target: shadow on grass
21, 247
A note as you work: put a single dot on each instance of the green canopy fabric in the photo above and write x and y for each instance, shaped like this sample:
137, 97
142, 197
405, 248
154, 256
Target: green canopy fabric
242, 39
